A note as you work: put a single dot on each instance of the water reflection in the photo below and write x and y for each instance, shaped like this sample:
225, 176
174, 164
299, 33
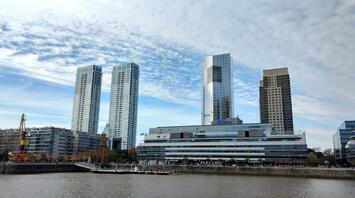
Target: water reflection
94, 185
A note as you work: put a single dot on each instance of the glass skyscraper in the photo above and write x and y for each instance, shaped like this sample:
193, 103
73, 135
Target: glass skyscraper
123, 106
87, 99
275, 100
217, 90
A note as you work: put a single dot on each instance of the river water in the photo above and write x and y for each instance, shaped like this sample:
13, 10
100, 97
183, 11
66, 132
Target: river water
186, 185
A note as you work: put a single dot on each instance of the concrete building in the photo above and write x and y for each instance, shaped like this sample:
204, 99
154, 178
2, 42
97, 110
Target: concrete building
217, 89
341, 137
252, 143
87, 99
275, 100
9, 140
123, 106
85, 142
52, 141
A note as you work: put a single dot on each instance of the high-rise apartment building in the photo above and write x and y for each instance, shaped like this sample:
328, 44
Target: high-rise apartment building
123, 106
87, 99
217, 89
275, 100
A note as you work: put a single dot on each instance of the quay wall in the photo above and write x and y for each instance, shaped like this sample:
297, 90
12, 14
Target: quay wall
39, 168
333, 173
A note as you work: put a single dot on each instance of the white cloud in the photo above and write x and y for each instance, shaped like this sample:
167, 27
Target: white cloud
313, 38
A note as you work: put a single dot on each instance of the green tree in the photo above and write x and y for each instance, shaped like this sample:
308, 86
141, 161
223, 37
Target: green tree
312, 159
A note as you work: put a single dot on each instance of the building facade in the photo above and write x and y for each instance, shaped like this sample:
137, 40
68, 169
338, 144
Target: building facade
86, 142
123, 106
341, 137
87, 99
52, 141
217, 89
275, 100
350, 150
256, 143
9, 140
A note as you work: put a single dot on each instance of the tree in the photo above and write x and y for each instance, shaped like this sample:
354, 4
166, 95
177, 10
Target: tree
329, 155
66, 158
37, 156
132, 154
74, 157
312, 159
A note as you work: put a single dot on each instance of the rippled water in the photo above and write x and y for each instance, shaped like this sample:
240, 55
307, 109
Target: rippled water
93, 185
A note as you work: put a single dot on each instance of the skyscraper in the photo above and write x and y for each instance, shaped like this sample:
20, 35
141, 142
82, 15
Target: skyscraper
87, 99
217, 90
123, 106
275, 100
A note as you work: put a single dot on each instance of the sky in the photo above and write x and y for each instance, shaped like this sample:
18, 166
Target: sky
42, 43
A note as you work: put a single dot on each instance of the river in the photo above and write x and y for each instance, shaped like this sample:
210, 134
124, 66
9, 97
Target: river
154, 186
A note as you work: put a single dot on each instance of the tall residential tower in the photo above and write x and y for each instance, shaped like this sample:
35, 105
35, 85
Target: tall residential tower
275, 100
217, 94
123, 106
87, 99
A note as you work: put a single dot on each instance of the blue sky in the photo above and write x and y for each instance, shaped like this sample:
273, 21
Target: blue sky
43, 42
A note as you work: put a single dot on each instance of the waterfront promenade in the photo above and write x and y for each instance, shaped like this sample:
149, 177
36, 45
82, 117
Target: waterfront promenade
312, 172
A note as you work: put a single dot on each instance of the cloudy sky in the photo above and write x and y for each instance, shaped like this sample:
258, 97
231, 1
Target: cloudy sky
43, 42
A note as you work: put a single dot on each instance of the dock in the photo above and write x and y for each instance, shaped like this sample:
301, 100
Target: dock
110, 171
95, 169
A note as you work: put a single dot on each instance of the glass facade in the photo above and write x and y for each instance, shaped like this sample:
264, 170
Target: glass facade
341, 138
247, 142
217, 94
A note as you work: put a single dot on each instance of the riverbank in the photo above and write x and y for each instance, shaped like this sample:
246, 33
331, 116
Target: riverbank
34, 168
333, 173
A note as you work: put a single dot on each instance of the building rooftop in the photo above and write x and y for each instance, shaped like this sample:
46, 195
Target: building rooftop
275, 72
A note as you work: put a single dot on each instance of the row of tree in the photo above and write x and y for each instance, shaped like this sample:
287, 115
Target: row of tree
316, 157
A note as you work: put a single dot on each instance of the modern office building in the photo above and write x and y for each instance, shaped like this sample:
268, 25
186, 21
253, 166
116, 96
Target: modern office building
52, 141
275, 100
252, 143
86, 142
123, 106
87, 99
341, 138
9, 140
350, 150
217, 89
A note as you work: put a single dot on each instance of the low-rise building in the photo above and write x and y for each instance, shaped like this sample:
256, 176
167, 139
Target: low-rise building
204, 143
350, 150
341, 138
53, 141
9, 140
84, 141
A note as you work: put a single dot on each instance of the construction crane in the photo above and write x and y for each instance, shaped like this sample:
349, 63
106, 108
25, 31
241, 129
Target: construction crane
21, 155
23, 139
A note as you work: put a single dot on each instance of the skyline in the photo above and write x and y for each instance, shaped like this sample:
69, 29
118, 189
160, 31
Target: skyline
42, 45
